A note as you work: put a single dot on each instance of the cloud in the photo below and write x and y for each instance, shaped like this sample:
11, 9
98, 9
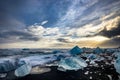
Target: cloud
63, 40
111, 28
44, 22
114, 42
41, 31
75, 10
14, 36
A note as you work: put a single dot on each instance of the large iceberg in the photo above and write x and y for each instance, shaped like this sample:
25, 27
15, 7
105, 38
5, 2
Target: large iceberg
71, 63
76, 50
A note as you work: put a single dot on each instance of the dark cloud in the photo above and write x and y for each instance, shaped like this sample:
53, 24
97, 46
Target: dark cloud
112, 32
114, 42
16, 35
63, 40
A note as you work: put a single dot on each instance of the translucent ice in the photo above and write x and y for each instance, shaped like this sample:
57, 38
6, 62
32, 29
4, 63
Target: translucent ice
117, 65
76, 50
98, 50
3, 75
6, 66
92, 56
23, 70
39, 70
71, 63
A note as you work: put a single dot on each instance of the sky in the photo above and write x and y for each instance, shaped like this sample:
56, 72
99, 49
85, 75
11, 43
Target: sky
59, 23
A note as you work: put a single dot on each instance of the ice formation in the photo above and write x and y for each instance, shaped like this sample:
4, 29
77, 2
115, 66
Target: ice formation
71, 63
23, 70
3, 75
76, 50
117, 65
6, 66
98, 50
92, 56
39, 70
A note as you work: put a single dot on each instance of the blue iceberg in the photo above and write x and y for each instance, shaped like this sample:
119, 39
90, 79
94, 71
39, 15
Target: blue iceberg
98, 50
71, 63
117, 65
92, 56
6, 66
76, 50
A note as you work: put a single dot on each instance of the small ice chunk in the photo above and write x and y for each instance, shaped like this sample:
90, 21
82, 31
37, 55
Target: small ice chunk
119, 77
90, 77
92, 62
3, 75
90, 72
86, 73
39, 70
92, 56
110, 77
23, 70
99, 73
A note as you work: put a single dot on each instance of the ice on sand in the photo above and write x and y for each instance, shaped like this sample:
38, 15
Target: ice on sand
23, 70
39, 70
92, 56
117, 65
71, 63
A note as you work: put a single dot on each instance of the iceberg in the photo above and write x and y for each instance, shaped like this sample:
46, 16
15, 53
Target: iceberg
71, 63
76, 50
98, 50
3, 75
23, 70
6, 66
117, 65
92, 56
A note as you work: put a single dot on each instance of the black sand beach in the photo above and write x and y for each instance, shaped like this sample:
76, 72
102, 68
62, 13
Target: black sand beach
95, 73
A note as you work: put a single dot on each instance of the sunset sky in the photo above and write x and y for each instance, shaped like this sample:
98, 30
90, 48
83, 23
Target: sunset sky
59, 23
